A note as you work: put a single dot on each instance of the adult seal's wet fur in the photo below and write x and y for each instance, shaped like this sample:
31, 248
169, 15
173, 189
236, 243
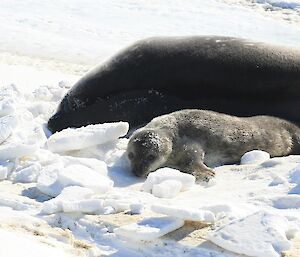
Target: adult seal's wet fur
156, 76
194, 140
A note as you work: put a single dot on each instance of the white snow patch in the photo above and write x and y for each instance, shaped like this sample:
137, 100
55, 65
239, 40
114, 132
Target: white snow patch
254, 157
27, 246
12, 151
79, 138
294, 176
287, 202
27, 174
167, 189
70, 197
7, 125
56, 177
260, 234
185, 213
149, 229
89, 206
160, 175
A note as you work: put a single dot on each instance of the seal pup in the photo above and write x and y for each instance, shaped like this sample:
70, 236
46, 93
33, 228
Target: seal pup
160, 75
193, 141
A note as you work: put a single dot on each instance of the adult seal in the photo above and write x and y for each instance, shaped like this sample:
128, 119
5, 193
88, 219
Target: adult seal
193, 141
156, 76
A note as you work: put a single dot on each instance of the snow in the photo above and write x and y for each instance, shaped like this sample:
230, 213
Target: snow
163, 174
55, 178
27, 174
255, 156
3, 172
72, 193
26, 245
149, 229
14, 150
293, 4
266, 238
167, 189
7, 125
75, 139
136, 208
191, 214
294, 176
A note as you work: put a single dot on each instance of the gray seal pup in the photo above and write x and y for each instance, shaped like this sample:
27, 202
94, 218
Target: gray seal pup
156, 76
193, 141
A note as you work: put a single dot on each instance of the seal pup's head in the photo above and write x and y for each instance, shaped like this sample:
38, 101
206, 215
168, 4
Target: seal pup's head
148, 150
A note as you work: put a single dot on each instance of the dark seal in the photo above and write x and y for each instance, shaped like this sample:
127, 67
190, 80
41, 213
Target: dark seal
194, 140
156, 76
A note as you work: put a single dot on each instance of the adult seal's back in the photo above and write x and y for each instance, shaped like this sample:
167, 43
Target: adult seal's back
160, 75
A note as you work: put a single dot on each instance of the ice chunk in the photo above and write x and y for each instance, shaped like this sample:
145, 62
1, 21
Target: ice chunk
79, 175
118, 205
136, 208
92, 163
3, 172
6, 107
12, 151
7, 125
54, 178
48, 182
28, 174
167, 189
255, 156
89, 206
187, 180
260, 234
294, 176
149, 229
72, 193
277, 180
76, 139
287, 202
184, 213
295, 190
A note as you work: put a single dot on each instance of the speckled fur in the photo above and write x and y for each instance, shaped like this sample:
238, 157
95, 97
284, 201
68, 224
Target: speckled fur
194, 140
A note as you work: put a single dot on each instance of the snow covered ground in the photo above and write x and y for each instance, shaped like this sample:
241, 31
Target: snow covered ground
61, 196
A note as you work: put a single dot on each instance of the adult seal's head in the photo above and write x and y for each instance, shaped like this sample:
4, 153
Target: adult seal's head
148, 150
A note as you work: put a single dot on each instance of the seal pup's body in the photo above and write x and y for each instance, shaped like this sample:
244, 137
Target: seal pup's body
194, 140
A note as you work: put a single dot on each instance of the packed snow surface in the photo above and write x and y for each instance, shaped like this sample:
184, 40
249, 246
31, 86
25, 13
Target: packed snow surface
89, 31
266, 238
149, 229
72, 193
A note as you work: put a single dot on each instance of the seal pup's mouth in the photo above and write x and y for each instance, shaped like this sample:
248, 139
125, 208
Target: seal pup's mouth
140, 173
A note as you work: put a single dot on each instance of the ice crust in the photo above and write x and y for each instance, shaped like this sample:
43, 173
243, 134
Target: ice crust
267, 236
68, 199
75, 139
149, 229
167, 189
7, 125
191, 214
56, 177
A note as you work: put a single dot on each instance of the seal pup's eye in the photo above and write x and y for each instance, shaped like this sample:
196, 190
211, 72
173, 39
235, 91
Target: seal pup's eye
151, 157
130, 155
